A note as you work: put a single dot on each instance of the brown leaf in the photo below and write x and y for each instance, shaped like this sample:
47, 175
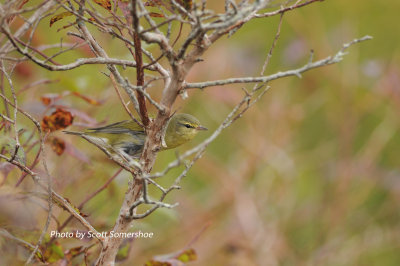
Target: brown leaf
45, 100
104, 3
59, 119
59, 17
58, 145
156, 15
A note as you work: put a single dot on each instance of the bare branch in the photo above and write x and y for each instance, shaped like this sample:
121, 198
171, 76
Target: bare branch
286, 9
135, 30
294, 72
139, 68
4, 233
79, 62
65, 203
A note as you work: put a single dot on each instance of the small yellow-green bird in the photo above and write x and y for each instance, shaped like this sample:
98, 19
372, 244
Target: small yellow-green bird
128, 137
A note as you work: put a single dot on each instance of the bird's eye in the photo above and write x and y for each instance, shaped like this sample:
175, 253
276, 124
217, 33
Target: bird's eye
188, 126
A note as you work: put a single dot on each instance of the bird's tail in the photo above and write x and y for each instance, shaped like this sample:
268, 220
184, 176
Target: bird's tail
72, 132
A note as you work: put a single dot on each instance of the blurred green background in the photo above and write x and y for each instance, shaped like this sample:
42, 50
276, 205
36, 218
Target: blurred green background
309, 176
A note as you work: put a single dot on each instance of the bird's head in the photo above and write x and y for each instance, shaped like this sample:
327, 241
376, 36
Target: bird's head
182, 128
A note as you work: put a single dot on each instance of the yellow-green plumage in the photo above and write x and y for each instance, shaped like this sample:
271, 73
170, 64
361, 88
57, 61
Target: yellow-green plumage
128, 137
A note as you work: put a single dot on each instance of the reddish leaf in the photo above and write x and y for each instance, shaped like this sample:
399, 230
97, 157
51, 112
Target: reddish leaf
155, 3
104, 3
45, 100
156, 15
59, 119
58, 145
59, 17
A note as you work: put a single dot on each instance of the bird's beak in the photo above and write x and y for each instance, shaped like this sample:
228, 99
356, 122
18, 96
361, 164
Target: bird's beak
201, 128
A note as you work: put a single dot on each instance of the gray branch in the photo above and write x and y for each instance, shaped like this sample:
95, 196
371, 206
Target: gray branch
294, 72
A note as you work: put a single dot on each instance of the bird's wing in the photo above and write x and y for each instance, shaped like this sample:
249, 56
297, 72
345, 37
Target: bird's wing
118, 128
131, 149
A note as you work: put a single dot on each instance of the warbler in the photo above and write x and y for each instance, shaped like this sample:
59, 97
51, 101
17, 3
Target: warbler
128, 137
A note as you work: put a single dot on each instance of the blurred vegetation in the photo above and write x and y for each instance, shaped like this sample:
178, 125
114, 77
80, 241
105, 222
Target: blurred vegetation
309, 176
